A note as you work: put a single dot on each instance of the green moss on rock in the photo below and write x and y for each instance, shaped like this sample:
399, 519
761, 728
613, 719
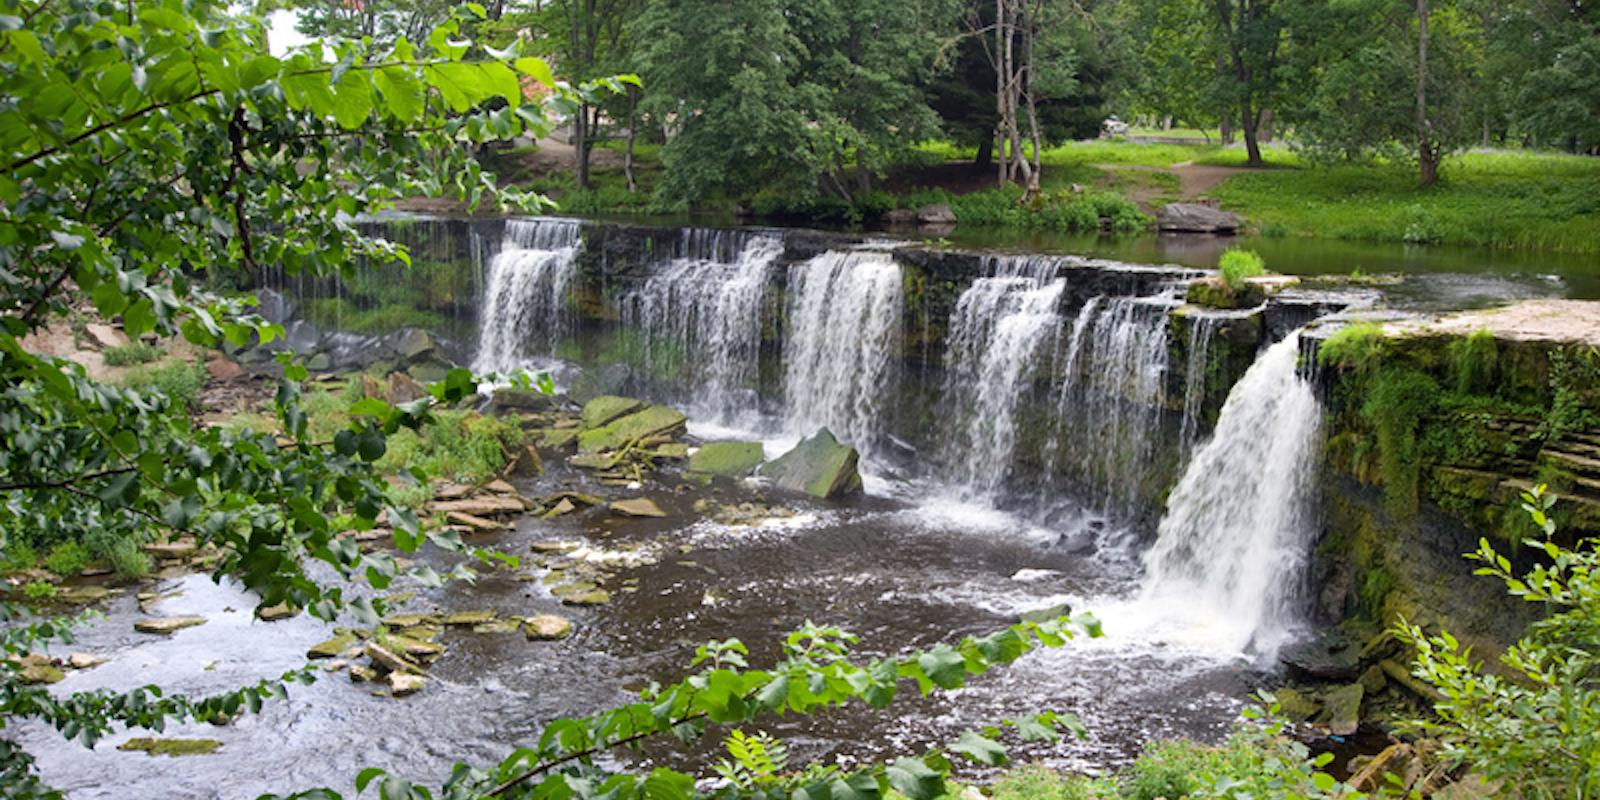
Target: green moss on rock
727, 459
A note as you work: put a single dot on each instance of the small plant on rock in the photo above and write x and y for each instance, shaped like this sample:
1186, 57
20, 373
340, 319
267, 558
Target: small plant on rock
1237, 265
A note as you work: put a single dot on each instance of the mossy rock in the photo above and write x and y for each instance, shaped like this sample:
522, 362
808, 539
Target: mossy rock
1296, 706
1215, 293
558, 438
649, 422
332, 647
819, 466
727, 459
608, 408
171, 747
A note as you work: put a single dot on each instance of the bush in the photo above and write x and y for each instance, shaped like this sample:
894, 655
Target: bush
127, 560
129, 355
1237, 265
179, 382
19, 556
1357, 347
1036, 782
1539, 729
67, 559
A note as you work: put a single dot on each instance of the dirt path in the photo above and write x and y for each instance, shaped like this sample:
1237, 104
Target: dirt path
1194, 179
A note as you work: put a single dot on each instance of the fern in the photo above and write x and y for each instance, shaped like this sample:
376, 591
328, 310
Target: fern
756, 759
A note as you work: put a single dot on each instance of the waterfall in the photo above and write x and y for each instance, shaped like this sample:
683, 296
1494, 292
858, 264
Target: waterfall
1112, 373
1232, 549
698, 319
524, 312
995, 339
844, 328
1202, 329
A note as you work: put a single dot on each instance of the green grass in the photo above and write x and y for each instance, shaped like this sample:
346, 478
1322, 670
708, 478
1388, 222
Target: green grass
338, 314
129, 355
1237, 265
1511, 201
179, 381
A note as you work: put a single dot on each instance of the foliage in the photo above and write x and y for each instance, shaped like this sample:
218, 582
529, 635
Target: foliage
1397, 399
1473, 360
145, 143
332, 313
1537, 728
1238, 264
1037, 782
814, 674
67, 559
176, 381
1357, 347
132, 354
1575, 391
824, 104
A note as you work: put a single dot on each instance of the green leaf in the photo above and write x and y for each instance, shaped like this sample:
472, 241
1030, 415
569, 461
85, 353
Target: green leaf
944, 666
353, 100
402, 94
913, 778
665, 784
980, 748
538, 69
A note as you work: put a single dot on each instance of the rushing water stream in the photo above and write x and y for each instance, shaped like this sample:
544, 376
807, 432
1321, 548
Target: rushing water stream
1052, 409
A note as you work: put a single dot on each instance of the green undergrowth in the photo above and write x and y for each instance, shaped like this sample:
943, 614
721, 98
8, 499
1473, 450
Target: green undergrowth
1256, 760
1061, 210
334, 313
1237, 265
130, 355
1521, 201
179, 380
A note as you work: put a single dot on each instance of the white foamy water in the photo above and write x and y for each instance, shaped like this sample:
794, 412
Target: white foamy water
524, 306
1227, 566
844, 317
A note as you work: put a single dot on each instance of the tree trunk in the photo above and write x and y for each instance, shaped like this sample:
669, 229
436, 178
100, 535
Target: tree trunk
580, 144
1034, 172
985, 157
1225, 130
1428, 151
1000, 76
627, 155
1251, 122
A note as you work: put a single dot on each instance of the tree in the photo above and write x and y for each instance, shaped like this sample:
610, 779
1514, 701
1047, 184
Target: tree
1348, 58
382, 21
809, 98
1540, 57
1248, 35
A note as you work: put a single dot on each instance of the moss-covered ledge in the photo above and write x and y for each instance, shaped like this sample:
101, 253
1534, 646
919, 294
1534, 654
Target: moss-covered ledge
1435, 425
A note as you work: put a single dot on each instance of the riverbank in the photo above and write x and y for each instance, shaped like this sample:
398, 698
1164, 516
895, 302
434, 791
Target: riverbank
1500, 200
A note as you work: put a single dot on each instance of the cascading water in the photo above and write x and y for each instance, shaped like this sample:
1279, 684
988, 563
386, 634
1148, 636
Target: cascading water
844, 326
1112, 376
524, 310
996, 334
699, 319
1202, 329
1229, 559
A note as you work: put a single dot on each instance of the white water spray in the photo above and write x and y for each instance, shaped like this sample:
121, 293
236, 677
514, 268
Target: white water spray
997, 332
844, 325
524, 306
1227, 565
700, 318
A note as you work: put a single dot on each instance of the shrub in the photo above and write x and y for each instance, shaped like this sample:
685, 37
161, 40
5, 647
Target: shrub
1397, 399
67, 559
1037, 782
179, 382
1537, 730
1473, 361
39, 590
1237, 265
1357, 348
19, 556
127, 560
129, 355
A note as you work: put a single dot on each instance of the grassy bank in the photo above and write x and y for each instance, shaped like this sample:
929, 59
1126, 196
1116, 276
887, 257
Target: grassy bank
1501, 200
1511, 200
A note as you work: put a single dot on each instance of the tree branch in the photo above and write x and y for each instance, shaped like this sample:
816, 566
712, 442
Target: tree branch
65, 482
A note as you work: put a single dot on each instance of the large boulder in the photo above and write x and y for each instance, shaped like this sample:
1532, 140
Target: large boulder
652, 421
608, 408
727, 459
1196, 218
104, 336
507, 399
414, 344
1341, 709
404, 389
819, 466
936, 214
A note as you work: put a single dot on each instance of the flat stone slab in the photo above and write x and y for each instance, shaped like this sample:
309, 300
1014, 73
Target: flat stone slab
606, 408
485, 506
1546, 320
171, 747
547, 627
727, 459
167, 625
633, 427
473, 521
638, 507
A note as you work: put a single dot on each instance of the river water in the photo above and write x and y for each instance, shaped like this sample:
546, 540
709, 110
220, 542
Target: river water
925, 556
